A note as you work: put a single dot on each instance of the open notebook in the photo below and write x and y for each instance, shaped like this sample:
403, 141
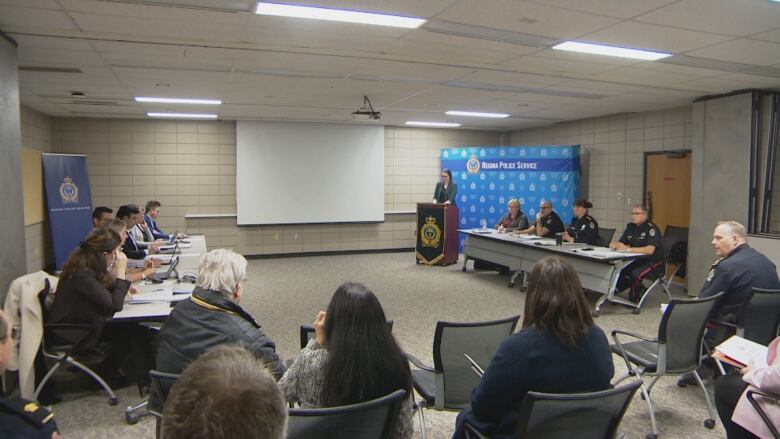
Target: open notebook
740, 352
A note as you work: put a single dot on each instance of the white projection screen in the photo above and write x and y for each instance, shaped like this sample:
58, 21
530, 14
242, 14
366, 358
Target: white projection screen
299, 173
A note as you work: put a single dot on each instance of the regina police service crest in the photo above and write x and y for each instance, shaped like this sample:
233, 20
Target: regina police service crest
430, 233
69, 192
473, 164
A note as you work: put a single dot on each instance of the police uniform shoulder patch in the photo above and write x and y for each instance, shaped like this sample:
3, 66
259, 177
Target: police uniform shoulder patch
592, 225
711, 274
652, 231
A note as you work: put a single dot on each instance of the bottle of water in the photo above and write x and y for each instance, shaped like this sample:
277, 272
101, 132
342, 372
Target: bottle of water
483, 223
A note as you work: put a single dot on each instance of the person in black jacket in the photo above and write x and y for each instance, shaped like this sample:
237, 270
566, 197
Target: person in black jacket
213, 316
558, 350
446, 190
92, 287
131, 215
583, 227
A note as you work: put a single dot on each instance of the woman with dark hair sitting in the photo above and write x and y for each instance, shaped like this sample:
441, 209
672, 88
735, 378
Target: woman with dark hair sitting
92, 287
353, 358
558, 350
583, 227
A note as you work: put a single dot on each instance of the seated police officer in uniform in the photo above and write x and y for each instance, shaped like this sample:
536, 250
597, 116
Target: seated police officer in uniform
640, 236
583, 227
738, 269
19, 418
548, 223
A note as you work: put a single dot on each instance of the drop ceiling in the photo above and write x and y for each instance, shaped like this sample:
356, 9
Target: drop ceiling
475, 55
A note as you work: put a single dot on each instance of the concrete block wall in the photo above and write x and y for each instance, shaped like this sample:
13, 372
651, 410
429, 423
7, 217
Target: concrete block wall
190, 168
612, 155
36, 134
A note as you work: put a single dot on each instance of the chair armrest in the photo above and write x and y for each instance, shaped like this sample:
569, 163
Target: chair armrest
419, 364
760, 411
632, 334
623, 354
723, 322
472, 432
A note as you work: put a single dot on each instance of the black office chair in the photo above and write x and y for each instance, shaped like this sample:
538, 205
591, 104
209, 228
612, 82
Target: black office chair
448, 384
758, 319
161, 384
775, 399
370, 419
307, 333
562, 416
673, 237
675, 351
605, 236
60, 342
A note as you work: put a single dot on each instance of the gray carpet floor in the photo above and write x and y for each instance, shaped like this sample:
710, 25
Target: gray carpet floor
284, 293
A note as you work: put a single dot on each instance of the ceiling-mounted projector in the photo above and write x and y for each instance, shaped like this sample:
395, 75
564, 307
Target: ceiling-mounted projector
366, 112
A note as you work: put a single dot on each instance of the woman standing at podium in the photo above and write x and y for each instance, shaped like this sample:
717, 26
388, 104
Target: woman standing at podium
445, 189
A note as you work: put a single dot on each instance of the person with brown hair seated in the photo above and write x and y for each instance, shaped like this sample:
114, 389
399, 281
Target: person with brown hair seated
558, 350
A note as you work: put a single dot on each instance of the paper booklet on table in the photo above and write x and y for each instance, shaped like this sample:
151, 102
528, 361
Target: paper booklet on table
740, 352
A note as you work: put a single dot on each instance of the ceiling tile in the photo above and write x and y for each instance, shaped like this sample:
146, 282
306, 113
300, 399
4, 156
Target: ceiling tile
731, 17
525, 17
652, 37
427, 37
610, 8
772, 35
13, 19
743, 50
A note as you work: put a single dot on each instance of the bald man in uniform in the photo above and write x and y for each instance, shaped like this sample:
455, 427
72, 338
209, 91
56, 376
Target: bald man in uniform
738, 269
20, 418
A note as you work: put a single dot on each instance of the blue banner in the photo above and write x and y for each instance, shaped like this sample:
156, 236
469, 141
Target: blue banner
488, 178
68, 202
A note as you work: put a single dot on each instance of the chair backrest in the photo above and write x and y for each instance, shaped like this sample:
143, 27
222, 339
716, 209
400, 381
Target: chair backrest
591, 415
161, 384
307, 333
681, 330
759, 315
672, 236
480, 340
370, 419
605, 236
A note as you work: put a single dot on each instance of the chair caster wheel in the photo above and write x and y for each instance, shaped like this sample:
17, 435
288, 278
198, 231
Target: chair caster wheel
463, 269
636, 310
651, 436
595, 313
709, 423
113, 401
131, 417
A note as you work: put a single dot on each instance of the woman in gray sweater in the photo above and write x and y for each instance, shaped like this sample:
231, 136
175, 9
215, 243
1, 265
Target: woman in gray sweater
353, 358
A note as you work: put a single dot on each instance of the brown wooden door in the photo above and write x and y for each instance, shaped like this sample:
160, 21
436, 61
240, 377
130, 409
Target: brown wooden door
668, 188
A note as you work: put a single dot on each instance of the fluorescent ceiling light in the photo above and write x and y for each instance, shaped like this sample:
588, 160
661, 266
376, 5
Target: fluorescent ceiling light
602, 49
317, 13
183, 115
476, 114
178, 101
416, 123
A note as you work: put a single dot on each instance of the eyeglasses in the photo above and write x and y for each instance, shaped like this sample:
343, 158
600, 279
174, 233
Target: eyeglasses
545, 207
637, 213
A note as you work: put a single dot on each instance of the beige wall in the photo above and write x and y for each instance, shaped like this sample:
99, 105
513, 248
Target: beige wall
190, 168
36, 134
612, 150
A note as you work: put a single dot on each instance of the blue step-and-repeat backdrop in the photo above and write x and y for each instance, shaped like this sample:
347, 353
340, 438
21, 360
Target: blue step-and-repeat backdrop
488, 178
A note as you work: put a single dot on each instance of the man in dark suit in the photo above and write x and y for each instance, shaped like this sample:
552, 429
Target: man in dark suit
150, 219
446, 190
131, 215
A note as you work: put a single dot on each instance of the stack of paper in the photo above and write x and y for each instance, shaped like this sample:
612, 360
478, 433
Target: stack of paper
160, 295
740, 352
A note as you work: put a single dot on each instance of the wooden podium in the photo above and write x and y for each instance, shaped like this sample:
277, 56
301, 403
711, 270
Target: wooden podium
437, 234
